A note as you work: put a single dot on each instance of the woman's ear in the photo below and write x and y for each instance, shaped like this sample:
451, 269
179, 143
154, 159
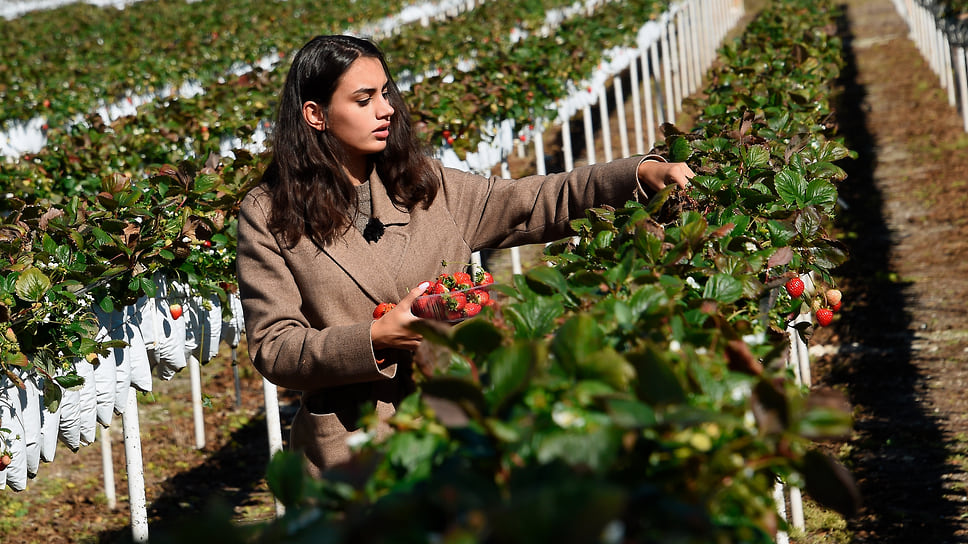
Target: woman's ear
314, 115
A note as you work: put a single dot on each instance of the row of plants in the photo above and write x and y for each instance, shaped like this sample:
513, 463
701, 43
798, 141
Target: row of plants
83, 224
64, 63
636, 390
169, 131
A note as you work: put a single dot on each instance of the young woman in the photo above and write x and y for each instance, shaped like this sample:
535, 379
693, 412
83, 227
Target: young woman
351, 212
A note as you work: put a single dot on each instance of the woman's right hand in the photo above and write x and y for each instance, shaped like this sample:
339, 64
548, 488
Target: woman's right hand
393, 329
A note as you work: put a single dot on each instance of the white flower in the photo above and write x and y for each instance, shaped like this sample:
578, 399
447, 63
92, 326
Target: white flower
566, 417
691, 282
750, 247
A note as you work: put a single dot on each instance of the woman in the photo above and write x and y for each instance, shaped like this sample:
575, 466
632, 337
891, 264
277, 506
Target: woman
351, 212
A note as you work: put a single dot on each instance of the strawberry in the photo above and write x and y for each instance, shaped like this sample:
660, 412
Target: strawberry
454, 315
795, 287
5, 461
455, 301
382, 308
175, 310
421, 307
446, 280
471, 309
825, 316
479, 296
833, 298
437, 288
483, 278
461, 278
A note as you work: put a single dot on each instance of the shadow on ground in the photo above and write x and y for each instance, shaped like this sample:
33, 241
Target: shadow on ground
231, 477
897, 452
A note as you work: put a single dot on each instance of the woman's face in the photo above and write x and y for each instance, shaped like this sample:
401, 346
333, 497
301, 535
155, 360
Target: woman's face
359, 112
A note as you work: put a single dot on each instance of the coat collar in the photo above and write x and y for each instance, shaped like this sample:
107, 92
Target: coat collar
372, 266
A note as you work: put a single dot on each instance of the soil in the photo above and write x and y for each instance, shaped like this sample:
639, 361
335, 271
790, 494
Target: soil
898, 347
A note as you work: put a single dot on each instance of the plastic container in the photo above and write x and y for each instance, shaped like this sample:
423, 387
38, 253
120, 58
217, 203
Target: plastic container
453, 306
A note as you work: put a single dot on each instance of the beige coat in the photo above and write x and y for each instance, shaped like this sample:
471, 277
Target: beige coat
308, 310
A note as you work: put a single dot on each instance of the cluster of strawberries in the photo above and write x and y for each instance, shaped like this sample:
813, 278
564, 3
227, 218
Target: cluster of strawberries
451, 297
823, 310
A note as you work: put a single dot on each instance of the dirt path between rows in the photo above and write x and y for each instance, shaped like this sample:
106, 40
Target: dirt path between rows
900, 346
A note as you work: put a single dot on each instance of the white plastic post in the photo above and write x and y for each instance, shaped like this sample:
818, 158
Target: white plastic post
623, 136
961, 62
273, 426
515, 251
107, 467
235, 378
636, 105
195, 376
669, 115
606, 125
135, 468
539, 152
778, 497
949, 81
566, 147
647, 96
679, 61
589, 134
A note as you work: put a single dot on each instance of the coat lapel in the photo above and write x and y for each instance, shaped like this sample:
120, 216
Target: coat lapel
374, 266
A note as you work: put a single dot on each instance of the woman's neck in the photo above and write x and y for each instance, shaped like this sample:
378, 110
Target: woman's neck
359, 171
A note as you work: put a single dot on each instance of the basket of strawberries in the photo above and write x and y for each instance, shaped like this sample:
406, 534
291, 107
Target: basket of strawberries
451, 298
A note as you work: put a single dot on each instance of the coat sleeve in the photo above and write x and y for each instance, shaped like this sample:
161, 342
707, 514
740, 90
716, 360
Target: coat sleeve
283, 345
496, 213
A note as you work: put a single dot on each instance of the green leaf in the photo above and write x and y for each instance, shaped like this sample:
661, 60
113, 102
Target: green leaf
821, 193
546, 280
596, 450
723, 288
630, 414
69, 381
575, 340
285, 477
509, 369
791, 186
52, 396
679, 150
32, 284
534, 317
657, 383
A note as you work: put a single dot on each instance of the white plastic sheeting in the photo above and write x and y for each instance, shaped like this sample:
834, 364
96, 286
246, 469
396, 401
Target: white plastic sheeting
153, 341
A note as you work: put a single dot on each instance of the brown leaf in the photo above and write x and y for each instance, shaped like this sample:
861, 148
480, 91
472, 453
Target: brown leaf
780, 257
48, 215
741, 359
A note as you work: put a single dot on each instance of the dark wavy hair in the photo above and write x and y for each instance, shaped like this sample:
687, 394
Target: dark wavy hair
310, 192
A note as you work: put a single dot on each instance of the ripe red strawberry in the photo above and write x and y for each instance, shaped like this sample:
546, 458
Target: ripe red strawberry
471, 309
175, 310
454, 315
382, 308
455, 301
483, 278
437, 288
480, 296
462, 280
446, 280
5, 461
795, 287
421, 307
825, 316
